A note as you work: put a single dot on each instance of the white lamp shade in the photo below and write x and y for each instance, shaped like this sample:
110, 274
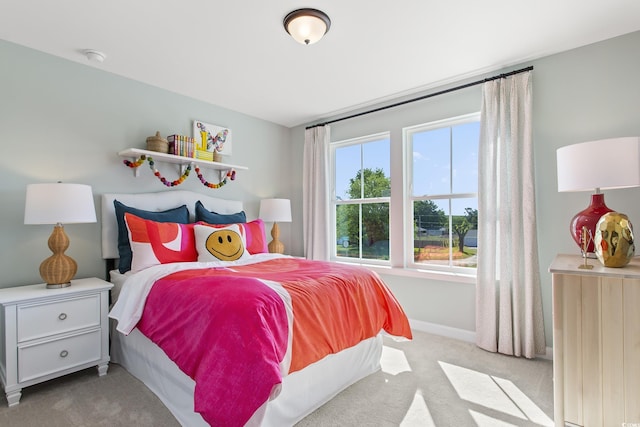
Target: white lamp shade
603, 164
275, 210
59, 203
307, 26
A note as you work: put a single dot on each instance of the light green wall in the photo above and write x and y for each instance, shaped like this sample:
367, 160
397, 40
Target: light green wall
63, 121
581, 95
584, 94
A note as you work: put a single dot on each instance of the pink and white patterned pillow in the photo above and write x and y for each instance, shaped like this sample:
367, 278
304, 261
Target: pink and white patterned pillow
154, 243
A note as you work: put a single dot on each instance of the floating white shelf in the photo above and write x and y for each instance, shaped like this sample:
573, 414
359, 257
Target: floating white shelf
134, 153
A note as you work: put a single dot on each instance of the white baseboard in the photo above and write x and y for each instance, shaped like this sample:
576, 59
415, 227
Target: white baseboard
458, 334
445, 331
548, 355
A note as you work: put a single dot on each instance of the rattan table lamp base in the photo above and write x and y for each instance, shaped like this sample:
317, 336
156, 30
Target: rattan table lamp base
58, 270
275, 246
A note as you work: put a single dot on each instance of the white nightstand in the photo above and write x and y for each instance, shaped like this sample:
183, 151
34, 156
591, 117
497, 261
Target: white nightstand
47, 333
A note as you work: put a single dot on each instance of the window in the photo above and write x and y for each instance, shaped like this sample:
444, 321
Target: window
428, 220
361, 195
442, 186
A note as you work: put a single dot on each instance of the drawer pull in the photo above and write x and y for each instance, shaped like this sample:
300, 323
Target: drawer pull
64, 353
62, 316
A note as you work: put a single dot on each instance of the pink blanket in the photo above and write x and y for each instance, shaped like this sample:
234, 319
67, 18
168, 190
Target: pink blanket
228, 335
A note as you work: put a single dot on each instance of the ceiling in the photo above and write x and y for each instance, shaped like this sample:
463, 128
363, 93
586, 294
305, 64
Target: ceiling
237, 55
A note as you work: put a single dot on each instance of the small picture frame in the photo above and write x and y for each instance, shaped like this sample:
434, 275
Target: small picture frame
212, 138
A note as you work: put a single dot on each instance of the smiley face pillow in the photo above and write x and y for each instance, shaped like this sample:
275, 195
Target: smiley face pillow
220, 244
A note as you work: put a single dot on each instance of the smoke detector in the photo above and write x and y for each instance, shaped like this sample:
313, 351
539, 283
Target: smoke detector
94, 55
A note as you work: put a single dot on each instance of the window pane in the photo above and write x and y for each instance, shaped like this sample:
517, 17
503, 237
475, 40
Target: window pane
465, 157
376, 159
431, 162
464, 217
431, 238
428, 218
348, 163
376, 183
348, 231
375, 231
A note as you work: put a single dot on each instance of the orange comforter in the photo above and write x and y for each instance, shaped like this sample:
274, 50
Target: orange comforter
335, 305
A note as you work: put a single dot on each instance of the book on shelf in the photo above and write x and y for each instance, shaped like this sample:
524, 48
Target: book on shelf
182, 145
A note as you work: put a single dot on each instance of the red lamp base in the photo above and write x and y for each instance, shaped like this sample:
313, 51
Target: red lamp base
589, 218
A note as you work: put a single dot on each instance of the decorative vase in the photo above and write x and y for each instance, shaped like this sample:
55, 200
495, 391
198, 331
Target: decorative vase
614, 245
589, 218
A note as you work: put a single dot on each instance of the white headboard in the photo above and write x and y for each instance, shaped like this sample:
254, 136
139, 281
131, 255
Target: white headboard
159, 201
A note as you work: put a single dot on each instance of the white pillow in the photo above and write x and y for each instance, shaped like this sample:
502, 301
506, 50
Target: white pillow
220, 244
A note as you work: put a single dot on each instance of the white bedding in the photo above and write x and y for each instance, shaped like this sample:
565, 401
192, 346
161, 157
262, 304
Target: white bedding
118, 280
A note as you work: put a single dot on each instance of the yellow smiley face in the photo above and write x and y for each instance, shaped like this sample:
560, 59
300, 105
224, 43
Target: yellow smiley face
226, 245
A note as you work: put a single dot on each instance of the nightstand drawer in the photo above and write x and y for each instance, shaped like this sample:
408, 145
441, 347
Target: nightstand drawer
54, 317
37, 360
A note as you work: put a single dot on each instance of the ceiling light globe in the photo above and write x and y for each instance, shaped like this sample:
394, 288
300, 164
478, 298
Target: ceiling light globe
307, 26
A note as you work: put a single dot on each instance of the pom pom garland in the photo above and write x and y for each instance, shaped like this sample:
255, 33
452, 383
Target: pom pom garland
231, 174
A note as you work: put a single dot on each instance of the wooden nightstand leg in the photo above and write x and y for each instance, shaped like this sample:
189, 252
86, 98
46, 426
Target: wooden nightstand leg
102, 369
13, 398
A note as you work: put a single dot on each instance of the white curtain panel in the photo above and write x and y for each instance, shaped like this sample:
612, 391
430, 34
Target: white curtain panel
508, 298
315, 196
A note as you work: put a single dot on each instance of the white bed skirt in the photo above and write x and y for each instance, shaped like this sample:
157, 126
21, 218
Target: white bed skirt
302, 392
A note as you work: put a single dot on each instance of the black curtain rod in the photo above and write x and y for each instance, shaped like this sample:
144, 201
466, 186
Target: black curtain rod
420, 98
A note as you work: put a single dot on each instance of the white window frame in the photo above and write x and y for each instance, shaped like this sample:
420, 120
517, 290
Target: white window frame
334, 201
407, 132
400, 253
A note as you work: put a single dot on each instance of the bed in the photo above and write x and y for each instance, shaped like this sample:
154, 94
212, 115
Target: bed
225, 381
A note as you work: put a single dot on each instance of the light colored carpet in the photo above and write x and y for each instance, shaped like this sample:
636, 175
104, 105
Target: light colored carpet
83, 399
430, 381
438, 381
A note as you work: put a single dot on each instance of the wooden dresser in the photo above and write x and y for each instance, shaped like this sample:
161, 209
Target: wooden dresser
596, 343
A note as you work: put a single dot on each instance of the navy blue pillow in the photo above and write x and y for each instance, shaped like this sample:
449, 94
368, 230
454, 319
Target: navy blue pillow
179, 215
202, 214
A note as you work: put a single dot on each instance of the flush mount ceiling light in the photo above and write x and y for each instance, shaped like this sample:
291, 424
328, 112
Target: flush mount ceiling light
307, 26
94, 55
